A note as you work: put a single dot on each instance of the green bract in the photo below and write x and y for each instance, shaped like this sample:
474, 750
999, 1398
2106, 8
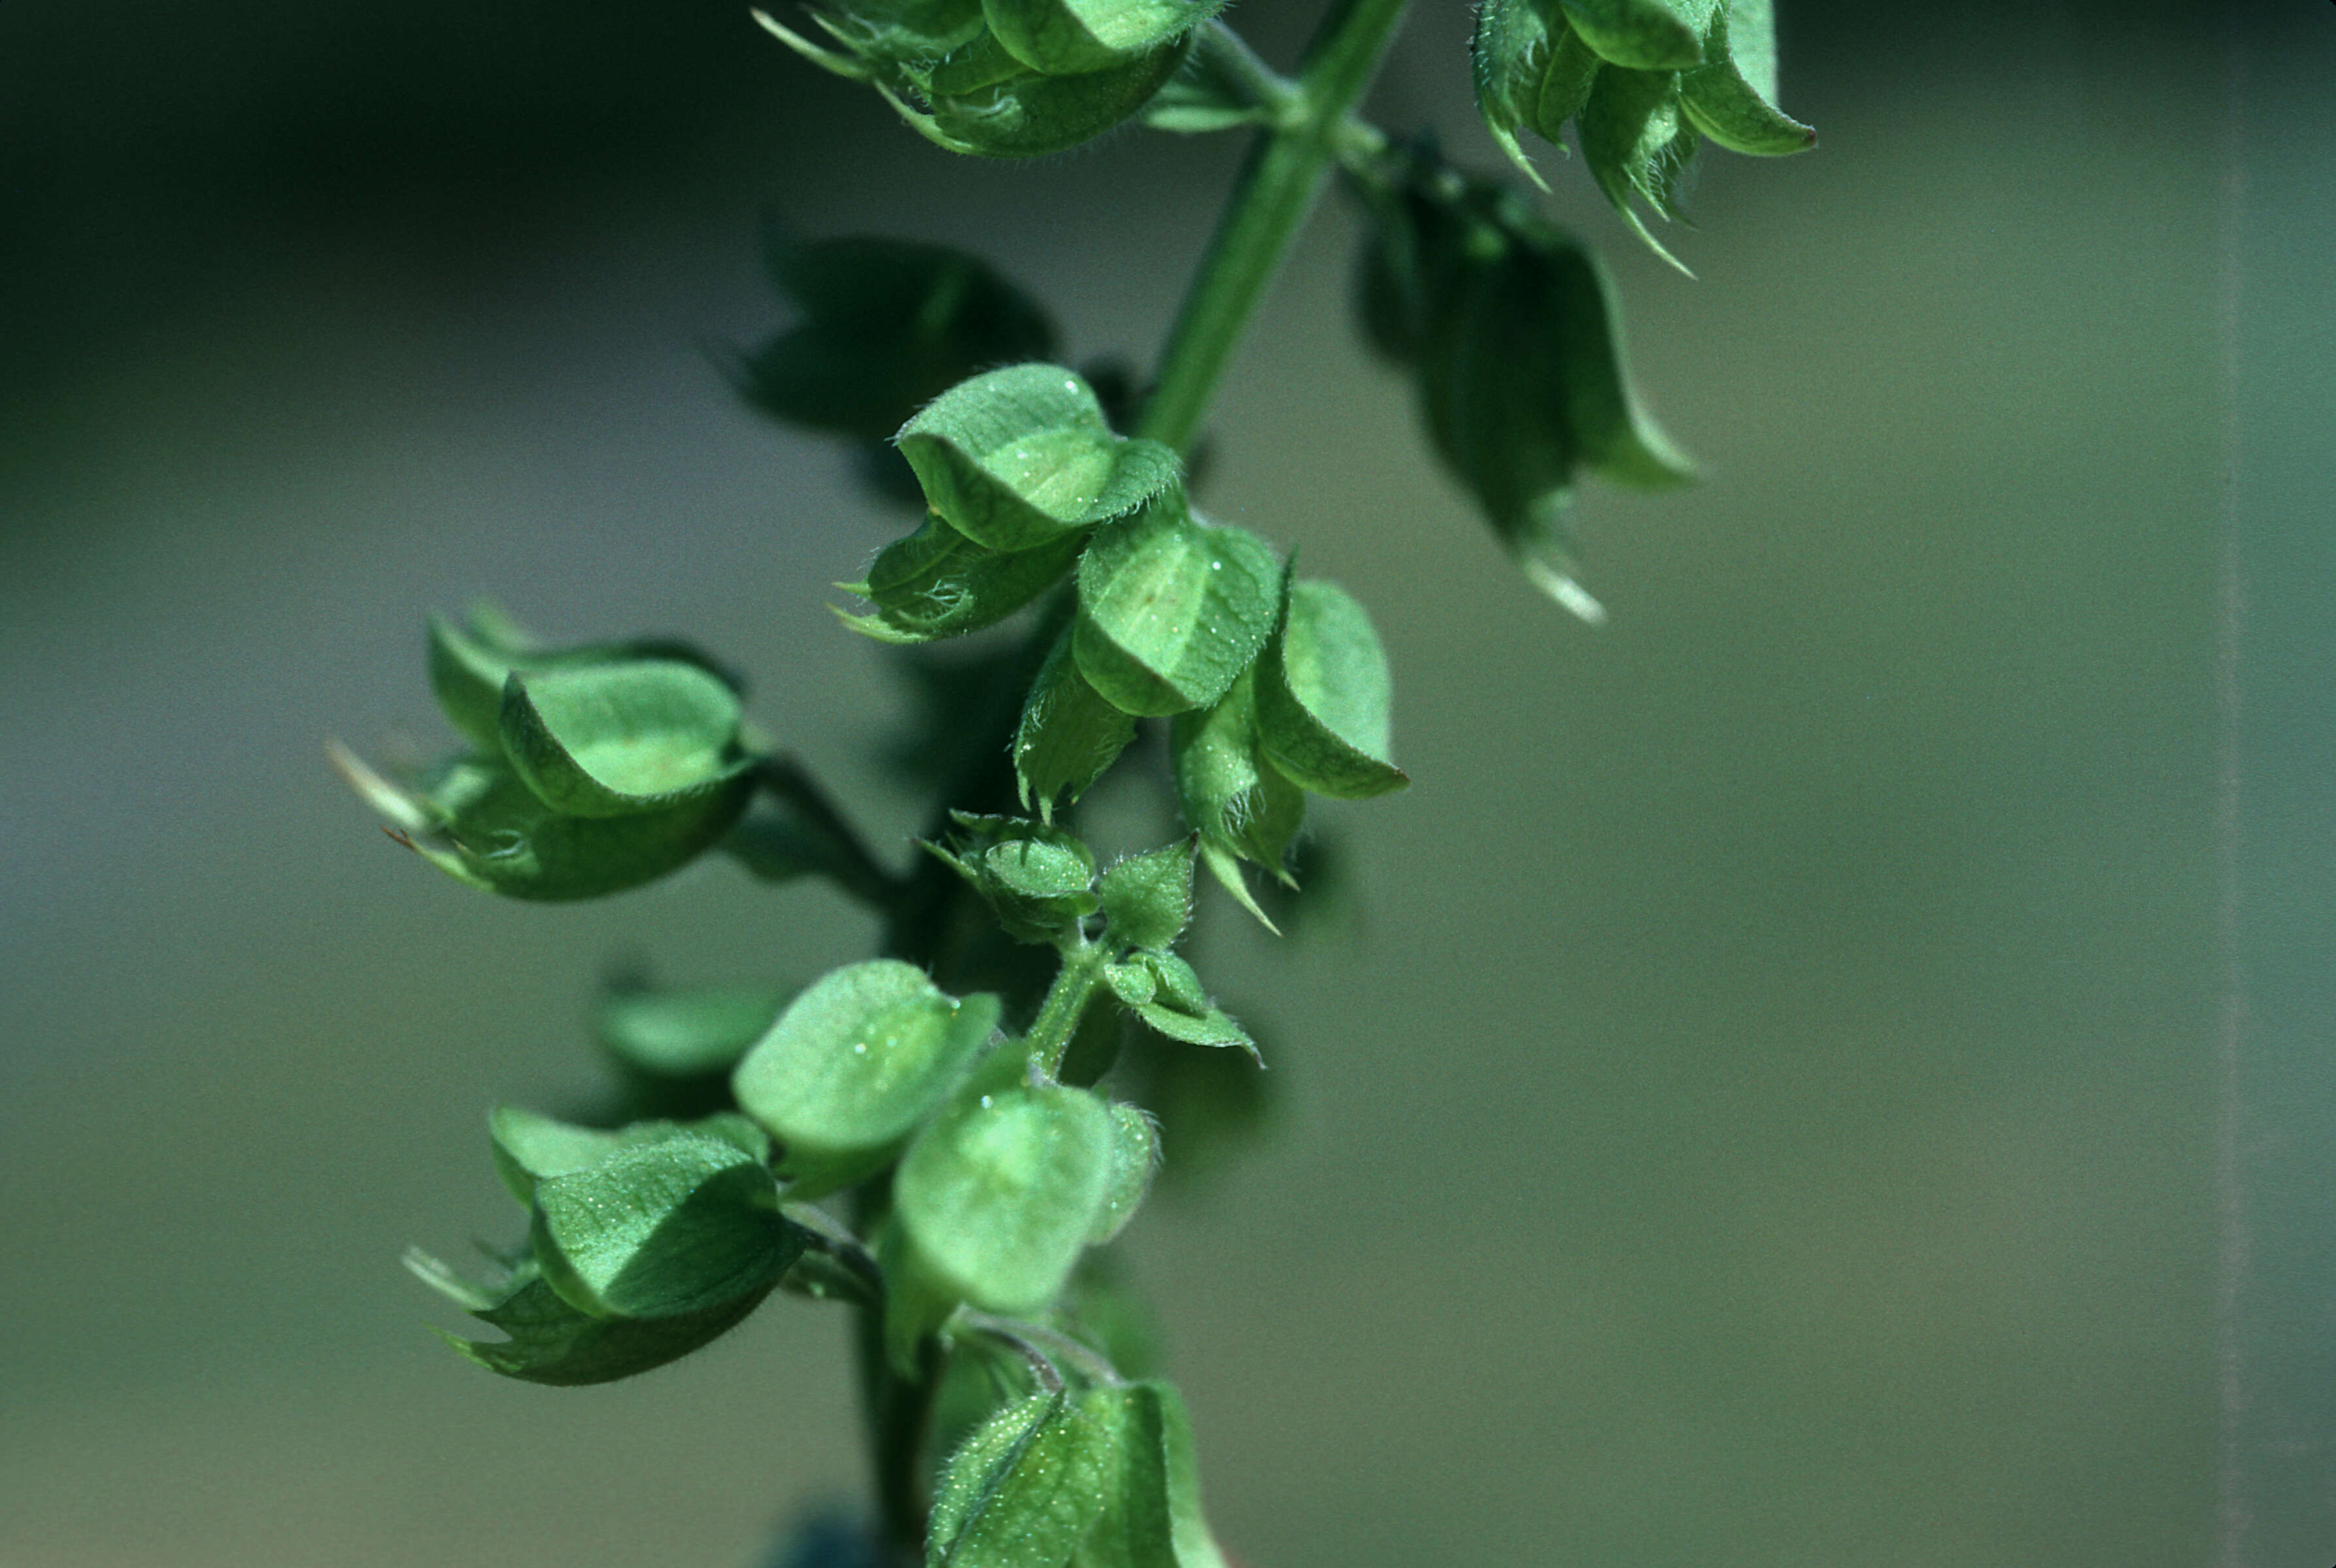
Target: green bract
1134, 1156
1064, 37
852, 1067
1180, 1008
473, 820
529, 1148
550, 1341
1068, 734
998, 1194
622, 739
1241, 805
1039, 879
470, 662
938, 583
1510, 330
1322, 695
963, 87
1152, 1514
1025, 1489
1648, 34
1641, 79
1020, 457
1147, 899
886, 325
1171, 610
675, 1227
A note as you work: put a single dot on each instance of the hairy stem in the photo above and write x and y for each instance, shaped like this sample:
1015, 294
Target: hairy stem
1278, 188
1076, 984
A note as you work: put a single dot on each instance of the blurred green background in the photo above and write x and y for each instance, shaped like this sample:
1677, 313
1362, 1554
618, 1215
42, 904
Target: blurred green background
1777, 1096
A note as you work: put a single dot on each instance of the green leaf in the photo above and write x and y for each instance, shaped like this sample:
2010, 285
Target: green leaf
1147, 898
1152, 1516
1732, 100
530, 1147
1171, 610
1134, 1156
470, 662
1645, 35
1019, 457
621, 739
680, 1034
1069, 735
1064, 37
936, 583
1323, 696
1025, 1489
550, 1341
852, 1067
1038, 878
1241, 804
678, 1228
474, 820
1033, 115
886, 326
998, 1194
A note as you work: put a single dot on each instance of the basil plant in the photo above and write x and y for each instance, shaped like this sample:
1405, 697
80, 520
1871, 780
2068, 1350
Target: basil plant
944, 1136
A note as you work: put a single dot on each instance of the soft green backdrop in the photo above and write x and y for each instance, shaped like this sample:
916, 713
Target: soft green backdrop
1763, 1104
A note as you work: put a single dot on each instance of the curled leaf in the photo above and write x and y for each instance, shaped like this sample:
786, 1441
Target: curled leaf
1067, 37
1017, 457
622, 739
680, 1226
470, 660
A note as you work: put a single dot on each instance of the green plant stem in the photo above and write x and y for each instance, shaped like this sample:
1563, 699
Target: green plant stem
1076, 984
1277, 189
899, 1412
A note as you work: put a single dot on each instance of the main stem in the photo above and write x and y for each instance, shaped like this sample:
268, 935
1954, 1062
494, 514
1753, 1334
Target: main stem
1277, 189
